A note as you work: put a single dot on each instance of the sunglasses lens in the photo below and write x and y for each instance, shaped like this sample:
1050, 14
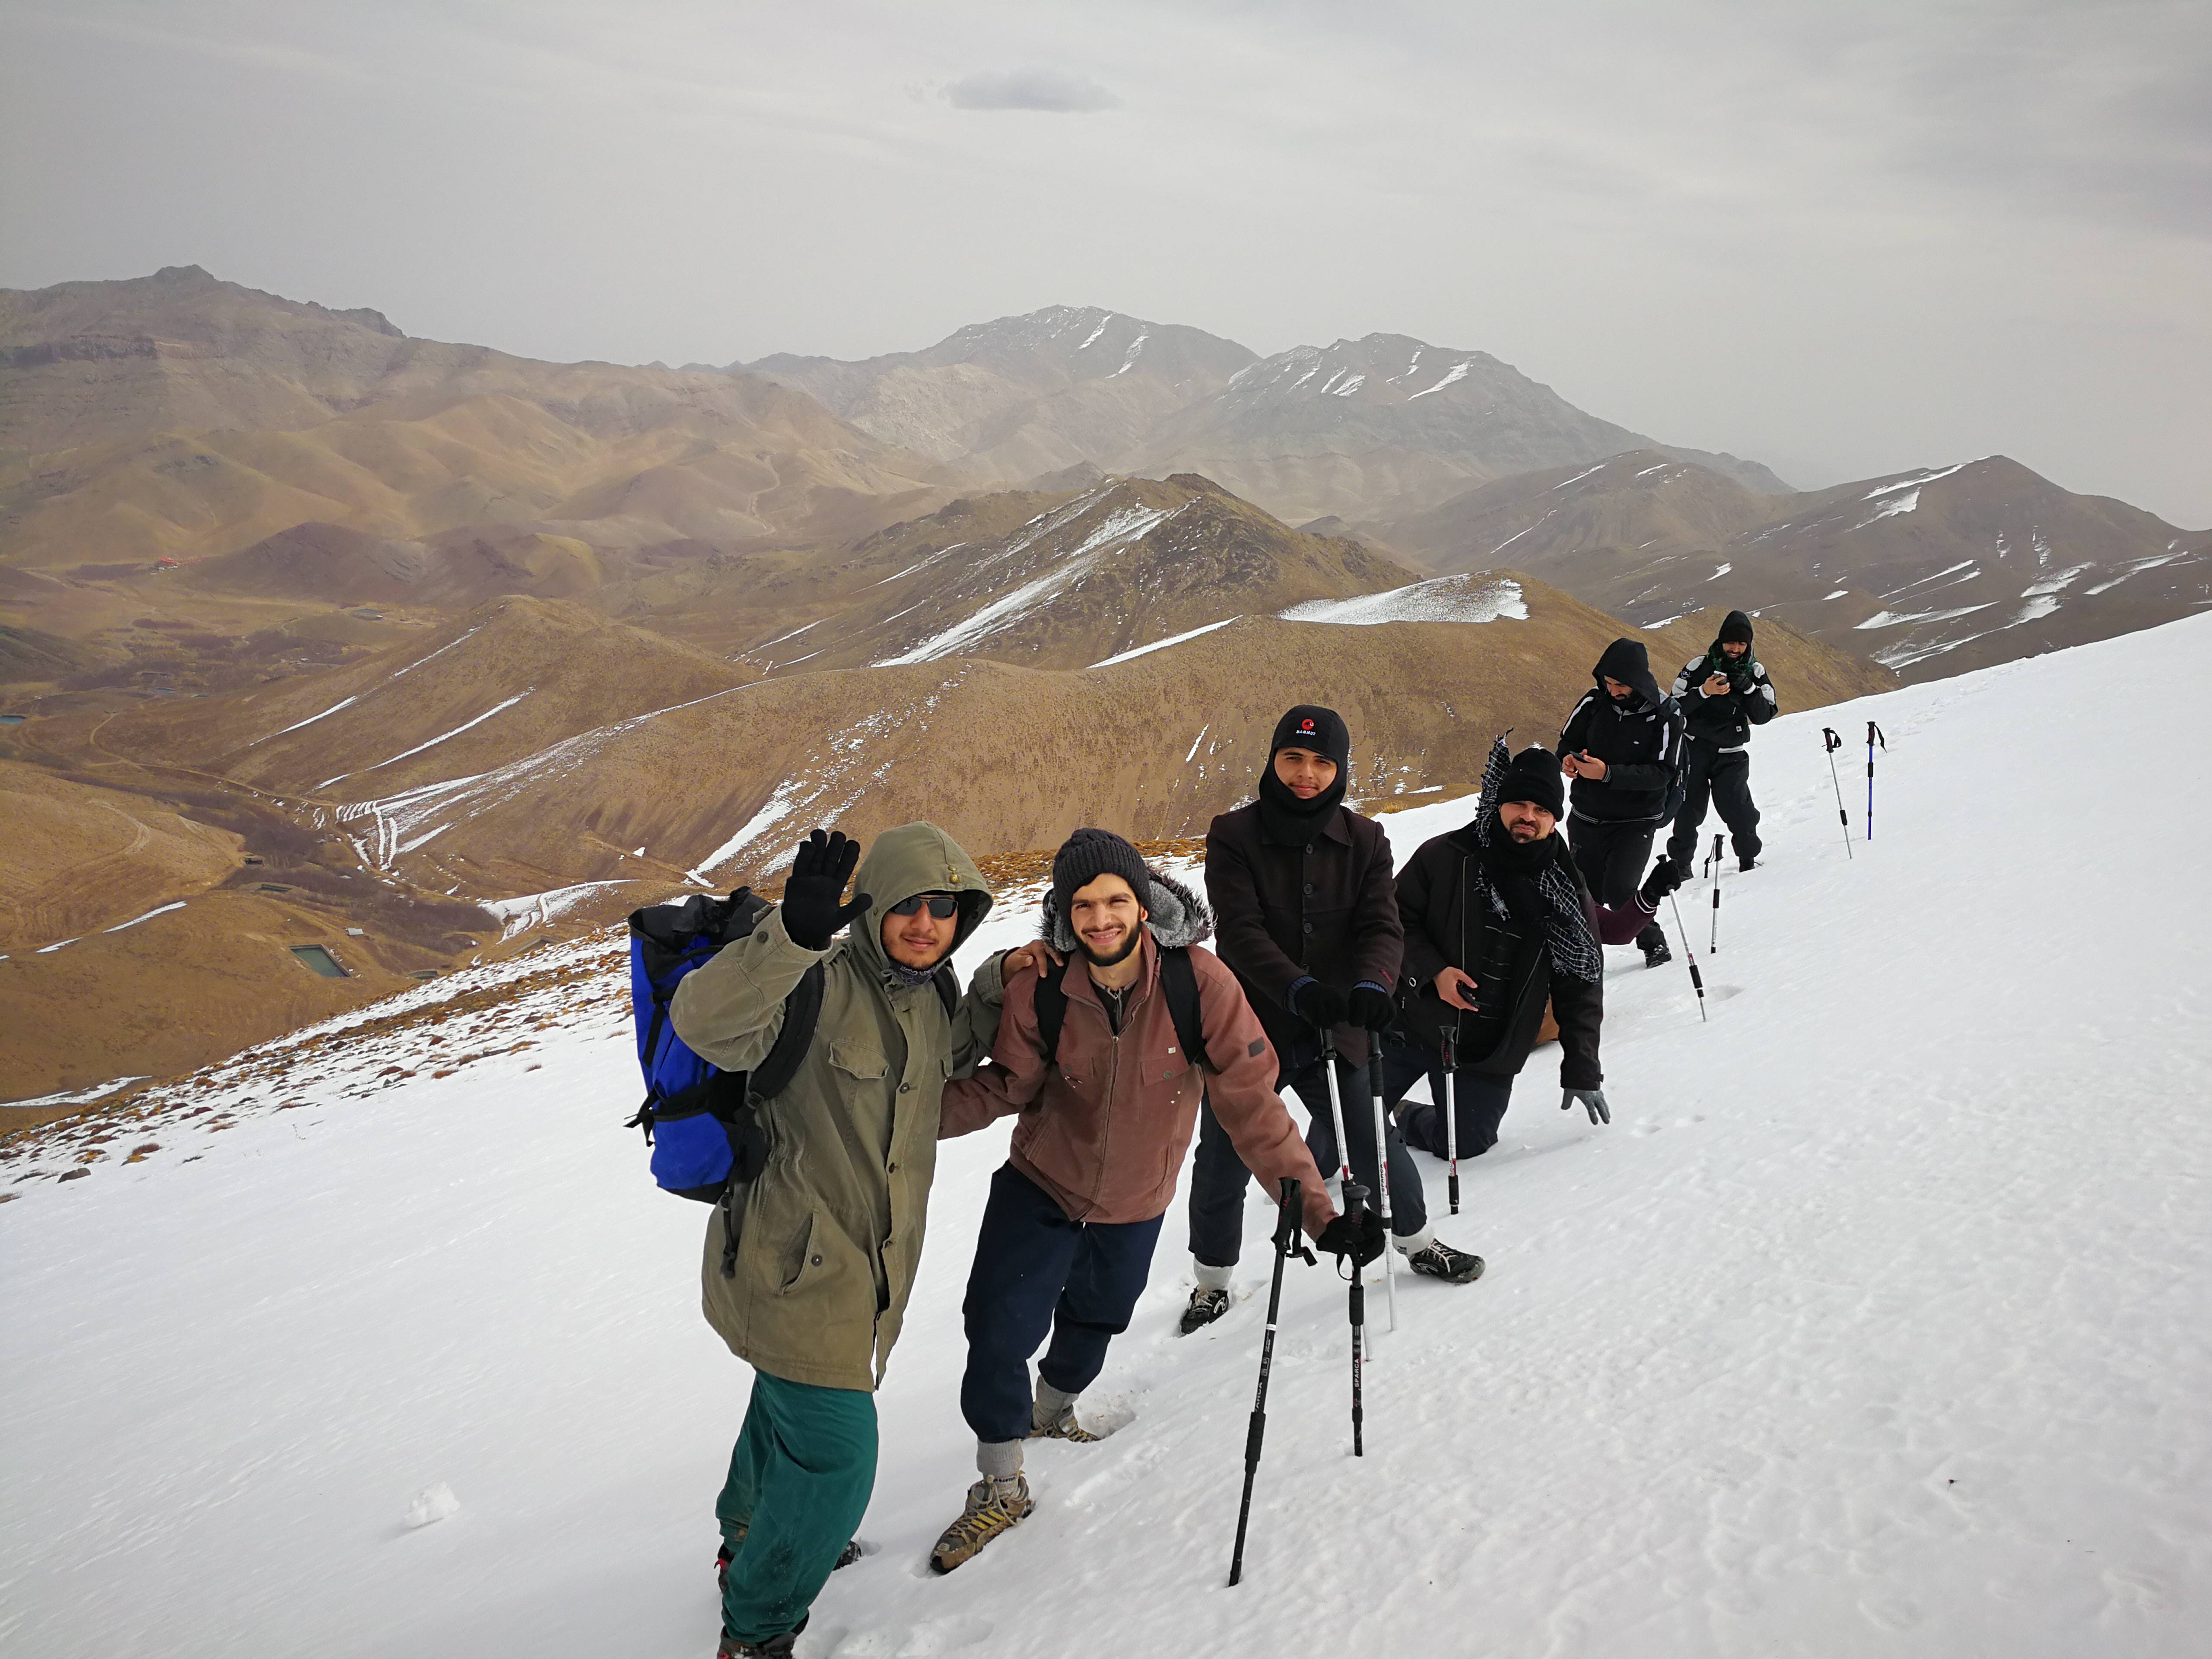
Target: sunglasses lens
943, 906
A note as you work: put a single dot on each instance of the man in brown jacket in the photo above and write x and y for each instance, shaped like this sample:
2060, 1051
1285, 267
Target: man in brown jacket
1107, 1110
1308, 920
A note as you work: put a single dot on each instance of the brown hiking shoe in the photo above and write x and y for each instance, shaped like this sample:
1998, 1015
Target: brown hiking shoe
1065, 1427
993, 1506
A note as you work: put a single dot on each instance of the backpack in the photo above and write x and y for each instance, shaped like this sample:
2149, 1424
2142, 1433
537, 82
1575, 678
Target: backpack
702, 1121
1178, 983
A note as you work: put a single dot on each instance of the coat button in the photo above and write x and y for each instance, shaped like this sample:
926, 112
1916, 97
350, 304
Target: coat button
906, 1087
1309, 887
817, 1261
891, 1167
1308, 927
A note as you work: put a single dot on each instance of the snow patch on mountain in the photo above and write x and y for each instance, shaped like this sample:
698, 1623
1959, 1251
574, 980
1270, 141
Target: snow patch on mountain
1470, 598
1161, 645
1458, 372
520, 915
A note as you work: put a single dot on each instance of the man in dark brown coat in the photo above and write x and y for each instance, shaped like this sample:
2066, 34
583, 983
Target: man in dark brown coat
1108, 1088
1307, 918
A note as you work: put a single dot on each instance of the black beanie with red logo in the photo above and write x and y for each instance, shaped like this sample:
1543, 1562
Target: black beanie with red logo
1311, 726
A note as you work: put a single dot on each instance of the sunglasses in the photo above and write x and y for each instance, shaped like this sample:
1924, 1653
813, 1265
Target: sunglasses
943, 906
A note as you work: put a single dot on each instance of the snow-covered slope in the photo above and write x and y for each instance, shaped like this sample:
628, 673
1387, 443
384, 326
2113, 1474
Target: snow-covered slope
1879, 1322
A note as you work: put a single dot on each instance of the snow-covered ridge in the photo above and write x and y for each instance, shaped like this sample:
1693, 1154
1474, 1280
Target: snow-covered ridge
1471, 598
1768, 1366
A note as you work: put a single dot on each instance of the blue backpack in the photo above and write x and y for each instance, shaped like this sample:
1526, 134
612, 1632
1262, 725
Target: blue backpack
702, 1121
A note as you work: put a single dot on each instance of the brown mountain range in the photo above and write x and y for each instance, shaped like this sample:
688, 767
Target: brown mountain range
1931, 572
177, 415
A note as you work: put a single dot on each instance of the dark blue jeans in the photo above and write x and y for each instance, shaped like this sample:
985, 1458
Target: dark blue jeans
1218, 1177
1481, 1099
1037, 1271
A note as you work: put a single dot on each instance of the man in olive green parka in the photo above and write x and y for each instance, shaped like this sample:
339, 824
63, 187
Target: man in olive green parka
830, 1233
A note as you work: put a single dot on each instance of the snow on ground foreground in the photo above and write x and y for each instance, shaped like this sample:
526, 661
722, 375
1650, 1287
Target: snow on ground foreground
1876, 1324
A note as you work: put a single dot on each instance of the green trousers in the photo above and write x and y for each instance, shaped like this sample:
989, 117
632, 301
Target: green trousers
800, 1480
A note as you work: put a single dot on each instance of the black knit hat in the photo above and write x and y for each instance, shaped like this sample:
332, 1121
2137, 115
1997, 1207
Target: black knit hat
1090, 853
1533, 776
1735, 629
1311, 726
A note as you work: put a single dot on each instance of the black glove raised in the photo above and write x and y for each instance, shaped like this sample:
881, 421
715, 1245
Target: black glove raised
811, 914
1666, 876
1369, 1008
1359, 1237
1319, 1004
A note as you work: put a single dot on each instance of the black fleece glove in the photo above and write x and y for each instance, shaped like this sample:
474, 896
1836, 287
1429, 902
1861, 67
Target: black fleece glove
1666, 876
811, 914
1359, 1237
1370, 1009
1742, 678
1319, 1005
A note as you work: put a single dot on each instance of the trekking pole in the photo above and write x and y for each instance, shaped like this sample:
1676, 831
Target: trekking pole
1355, 1205
1873, 735
1696, 979
1716, 868
1382, 1169
1831, 741
1451, 1120
1286, 1245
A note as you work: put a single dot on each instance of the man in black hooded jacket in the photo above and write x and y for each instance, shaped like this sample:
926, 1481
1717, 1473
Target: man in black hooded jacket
1623, 747
1723, 693
1498, 922
1306, 915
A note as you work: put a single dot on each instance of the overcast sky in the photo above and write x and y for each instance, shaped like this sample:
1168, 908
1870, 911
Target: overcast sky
1842, 238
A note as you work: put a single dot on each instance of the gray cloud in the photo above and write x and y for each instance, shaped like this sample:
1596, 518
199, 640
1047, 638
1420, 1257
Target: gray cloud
1845, 236
1029, 88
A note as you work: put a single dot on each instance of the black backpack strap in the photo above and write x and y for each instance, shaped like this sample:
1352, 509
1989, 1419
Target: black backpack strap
1051, 1010
802, 1012
1179, 984
948, 989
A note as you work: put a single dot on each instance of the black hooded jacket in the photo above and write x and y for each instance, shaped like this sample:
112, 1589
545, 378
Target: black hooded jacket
1725, 721
1640, 742
1510, 964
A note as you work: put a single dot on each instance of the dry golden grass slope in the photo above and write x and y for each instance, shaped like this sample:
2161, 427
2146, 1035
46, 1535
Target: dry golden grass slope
177, 415
1008, 756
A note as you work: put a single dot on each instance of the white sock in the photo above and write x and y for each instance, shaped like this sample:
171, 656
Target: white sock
1209, 1277
1413, 1243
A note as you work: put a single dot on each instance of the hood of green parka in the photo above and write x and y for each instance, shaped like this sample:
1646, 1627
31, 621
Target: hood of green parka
914, 858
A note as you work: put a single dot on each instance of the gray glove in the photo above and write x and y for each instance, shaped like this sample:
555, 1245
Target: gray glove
1593, 1101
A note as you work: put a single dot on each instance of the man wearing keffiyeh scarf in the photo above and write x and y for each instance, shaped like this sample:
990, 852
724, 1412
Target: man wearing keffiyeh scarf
1499, 923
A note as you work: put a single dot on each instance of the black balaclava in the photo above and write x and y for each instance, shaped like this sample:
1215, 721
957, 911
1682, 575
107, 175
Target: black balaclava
1285, 819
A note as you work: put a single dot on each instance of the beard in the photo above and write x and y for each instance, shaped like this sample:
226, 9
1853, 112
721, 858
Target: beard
1128, 945
1524, 833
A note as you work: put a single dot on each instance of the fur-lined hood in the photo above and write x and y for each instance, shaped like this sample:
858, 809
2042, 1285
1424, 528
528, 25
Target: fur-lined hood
1178, 916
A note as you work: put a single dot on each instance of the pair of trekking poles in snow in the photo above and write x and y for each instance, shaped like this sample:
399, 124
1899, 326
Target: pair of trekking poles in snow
1831, 741
1287, 1245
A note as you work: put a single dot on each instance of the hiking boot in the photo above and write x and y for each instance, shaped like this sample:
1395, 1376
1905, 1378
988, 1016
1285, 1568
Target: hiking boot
846, 1556
775, 1647
1065, 1427
1439, 1260
1205, 1306
1747, 863
993, 1506
1654, 955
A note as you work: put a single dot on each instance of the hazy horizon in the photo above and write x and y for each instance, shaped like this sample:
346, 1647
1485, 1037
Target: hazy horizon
1841, 241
